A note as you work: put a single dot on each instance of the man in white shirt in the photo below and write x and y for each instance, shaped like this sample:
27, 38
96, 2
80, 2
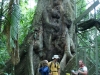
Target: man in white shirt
82, 69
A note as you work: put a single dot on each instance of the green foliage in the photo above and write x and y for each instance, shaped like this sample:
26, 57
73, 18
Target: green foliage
98, 14
36, 0
4, 56
25, 22
81, 6
87, 39
27, 15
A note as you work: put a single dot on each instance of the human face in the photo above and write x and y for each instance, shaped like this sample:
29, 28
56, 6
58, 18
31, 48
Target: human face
55, 59
80, 63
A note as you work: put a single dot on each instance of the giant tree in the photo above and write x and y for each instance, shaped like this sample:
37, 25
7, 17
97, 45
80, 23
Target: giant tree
52, 32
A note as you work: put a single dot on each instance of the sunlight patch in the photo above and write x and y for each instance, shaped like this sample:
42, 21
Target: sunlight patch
31, 4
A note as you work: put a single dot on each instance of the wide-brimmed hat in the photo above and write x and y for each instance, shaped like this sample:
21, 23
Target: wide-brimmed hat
55, 56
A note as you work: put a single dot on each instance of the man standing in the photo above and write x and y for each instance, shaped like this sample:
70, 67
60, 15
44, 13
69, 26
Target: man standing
54, 66
82, 69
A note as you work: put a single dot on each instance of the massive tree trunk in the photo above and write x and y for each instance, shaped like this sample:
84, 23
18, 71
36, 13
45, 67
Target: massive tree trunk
51, 32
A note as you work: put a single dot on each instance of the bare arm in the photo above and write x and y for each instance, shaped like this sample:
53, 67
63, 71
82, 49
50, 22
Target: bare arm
58, 71
84, 73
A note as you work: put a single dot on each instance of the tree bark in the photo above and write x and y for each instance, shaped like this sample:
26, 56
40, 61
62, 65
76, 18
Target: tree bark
30, 57
51, 33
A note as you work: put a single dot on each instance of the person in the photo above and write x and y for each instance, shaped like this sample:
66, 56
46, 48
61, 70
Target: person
54, 66
44, 69
82, 69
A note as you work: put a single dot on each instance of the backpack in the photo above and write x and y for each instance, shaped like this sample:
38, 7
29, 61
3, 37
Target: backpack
51, 65
44, 70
